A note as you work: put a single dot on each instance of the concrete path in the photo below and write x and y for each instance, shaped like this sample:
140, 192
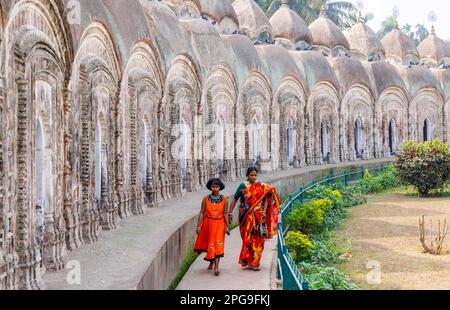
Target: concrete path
232, 275
120, 257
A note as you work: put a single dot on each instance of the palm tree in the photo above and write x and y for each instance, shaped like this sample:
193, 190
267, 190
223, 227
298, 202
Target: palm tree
408, 30
417, 33
309, 10
338, 11
421, 33
353, 18
263, 4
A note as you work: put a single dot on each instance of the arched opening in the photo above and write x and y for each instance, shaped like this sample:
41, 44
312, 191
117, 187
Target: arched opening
256, 140
426, 130
392, 137
291, 138
98, 164
183, 154
220, 147
41, 201
324, 141
358, 138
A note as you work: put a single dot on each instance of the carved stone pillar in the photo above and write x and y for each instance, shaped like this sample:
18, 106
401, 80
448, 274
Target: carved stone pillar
284, 160
119, 196
70, 210
136, 199
307, 138
28, 267
88, 213
7, 266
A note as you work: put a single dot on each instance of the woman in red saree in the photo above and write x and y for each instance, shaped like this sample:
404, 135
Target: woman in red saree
258, 217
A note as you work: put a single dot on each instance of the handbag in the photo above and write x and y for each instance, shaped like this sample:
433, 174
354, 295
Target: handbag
261, 230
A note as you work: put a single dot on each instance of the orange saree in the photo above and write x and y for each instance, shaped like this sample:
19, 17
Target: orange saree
255, 223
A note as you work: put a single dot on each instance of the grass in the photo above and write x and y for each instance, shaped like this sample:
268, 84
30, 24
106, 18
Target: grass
412, 192
386, 231
185, 265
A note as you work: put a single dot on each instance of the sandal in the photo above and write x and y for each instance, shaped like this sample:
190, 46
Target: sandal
216, 272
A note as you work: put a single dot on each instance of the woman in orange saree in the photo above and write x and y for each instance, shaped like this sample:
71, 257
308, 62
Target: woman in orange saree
258, 217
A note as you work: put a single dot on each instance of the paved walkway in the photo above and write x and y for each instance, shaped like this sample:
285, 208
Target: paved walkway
232, 275
121, 257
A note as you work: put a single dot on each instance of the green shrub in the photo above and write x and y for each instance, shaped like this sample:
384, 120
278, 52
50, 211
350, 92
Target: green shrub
325, 252
325, 278
389, 178
323, 192
353, 197
299, 244
375, 184
426, 165
309, 216
369, 185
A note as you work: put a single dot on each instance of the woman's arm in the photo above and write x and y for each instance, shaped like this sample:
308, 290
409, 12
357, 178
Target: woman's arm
225, 215
231, 209
236, 197
201, 216
232, 205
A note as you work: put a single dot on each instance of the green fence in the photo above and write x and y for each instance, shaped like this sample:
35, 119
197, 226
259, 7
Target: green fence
288, 272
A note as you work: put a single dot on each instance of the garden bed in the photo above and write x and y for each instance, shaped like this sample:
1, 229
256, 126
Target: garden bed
310, 226
385, 232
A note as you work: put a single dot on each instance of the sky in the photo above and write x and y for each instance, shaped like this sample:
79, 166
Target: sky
411, 12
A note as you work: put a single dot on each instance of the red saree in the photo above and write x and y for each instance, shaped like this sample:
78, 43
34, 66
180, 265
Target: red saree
255, 224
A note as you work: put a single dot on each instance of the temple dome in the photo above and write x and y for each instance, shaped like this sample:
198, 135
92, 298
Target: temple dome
185, 8
400, 48
434, 52
222, 14
364, 43
328, 37
252, 21
289, 29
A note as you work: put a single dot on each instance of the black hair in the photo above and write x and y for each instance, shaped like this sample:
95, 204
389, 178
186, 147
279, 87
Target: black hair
215, 181
251, 169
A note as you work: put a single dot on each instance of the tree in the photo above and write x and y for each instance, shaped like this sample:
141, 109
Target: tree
263, 4
386, 26
309, 10
421, 33
418, 33
353, 19
407, 29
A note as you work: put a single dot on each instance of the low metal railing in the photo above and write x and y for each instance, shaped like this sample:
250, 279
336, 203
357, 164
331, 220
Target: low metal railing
288, 272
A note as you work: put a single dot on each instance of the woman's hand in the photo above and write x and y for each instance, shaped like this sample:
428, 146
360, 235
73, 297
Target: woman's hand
228, 230
230, 218
198, 230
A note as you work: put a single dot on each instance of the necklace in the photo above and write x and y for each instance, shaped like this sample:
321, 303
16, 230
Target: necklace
215, 200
